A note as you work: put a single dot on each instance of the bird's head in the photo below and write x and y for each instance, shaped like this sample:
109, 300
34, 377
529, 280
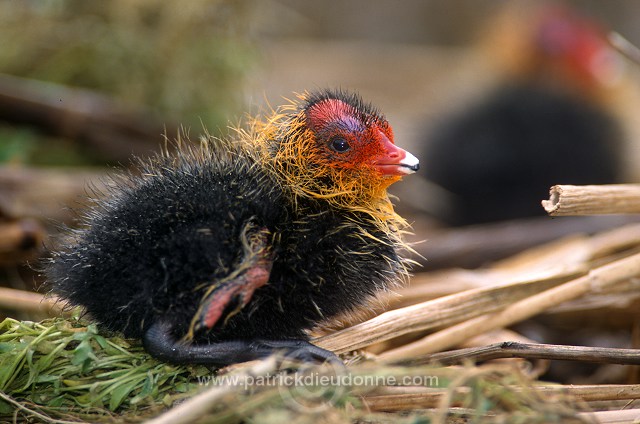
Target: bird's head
553, 44
574, 45
353, 138
332, 145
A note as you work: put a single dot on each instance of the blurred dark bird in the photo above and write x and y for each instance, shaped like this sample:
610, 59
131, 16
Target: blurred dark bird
230, 251
548, 120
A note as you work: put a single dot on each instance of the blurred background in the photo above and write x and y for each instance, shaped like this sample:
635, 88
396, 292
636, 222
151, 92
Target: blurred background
499, 99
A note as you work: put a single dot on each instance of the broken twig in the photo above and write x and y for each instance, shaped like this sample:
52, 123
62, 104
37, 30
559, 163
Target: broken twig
535, 351
570, 200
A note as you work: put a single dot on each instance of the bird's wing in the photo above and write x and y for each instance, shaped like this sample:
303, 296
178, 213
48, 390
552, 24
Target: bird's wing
227, 296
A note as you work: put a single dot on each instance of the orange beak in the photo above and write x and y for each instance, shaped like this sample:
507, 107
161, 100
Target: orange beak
395, 161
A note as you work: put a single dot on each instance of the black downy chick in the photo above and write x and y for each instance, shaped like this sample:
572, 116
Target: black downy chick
499, 157
230, 251
548, 120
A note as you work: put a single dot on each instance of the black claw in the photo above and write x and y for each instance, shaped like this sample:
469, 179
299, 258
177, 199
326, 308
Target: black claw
300, 351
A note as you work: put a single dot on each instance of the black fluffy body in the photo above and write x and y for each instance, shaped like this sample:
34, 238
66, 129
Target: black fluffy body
500, 156
149, 251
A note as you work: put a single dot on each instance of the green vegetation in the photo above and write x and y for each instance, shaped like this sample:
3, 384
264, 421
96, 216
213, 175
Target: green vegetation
186, 62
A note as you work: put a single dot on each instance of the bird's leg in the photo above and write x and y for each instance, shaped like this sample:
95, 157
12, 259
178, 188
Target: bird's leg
221, 301
229, 295
160, 343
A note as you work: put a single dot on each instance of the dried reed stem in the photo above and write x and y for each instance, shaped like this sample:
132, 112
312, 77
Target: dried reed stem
23, 300
625, 46
535, 351
429, 398
612, 417
498, 336
434, 313
202, 403
568, 200
531, 272
596, 279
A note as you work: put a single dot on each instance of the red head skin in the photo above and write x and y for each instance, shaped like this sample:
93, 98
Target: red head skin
575, 46
350, 139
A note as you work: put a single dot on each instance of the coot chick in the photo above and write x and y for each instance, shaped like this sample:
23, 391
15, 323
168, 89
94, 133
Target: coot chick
229, 251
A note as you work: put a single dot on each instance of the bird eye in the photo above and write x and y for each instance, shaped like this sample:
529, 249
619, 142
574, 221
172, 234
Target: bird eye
339, 144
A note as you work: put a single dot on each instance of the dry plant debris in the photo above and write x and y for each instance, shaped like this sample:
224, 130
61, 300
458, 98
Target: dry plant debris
62, 370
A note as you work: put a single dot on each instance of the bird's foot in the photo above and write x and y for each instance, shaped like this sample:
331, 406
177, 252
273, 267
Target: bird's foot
298, 351
160, 343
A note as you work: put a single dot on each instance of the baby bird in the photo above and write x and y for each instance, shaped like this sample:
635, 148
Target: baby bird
547, 120
229, 251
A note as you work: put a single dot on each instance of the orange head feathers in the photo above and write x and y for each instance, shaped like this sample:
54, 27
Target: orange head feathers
333, 146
